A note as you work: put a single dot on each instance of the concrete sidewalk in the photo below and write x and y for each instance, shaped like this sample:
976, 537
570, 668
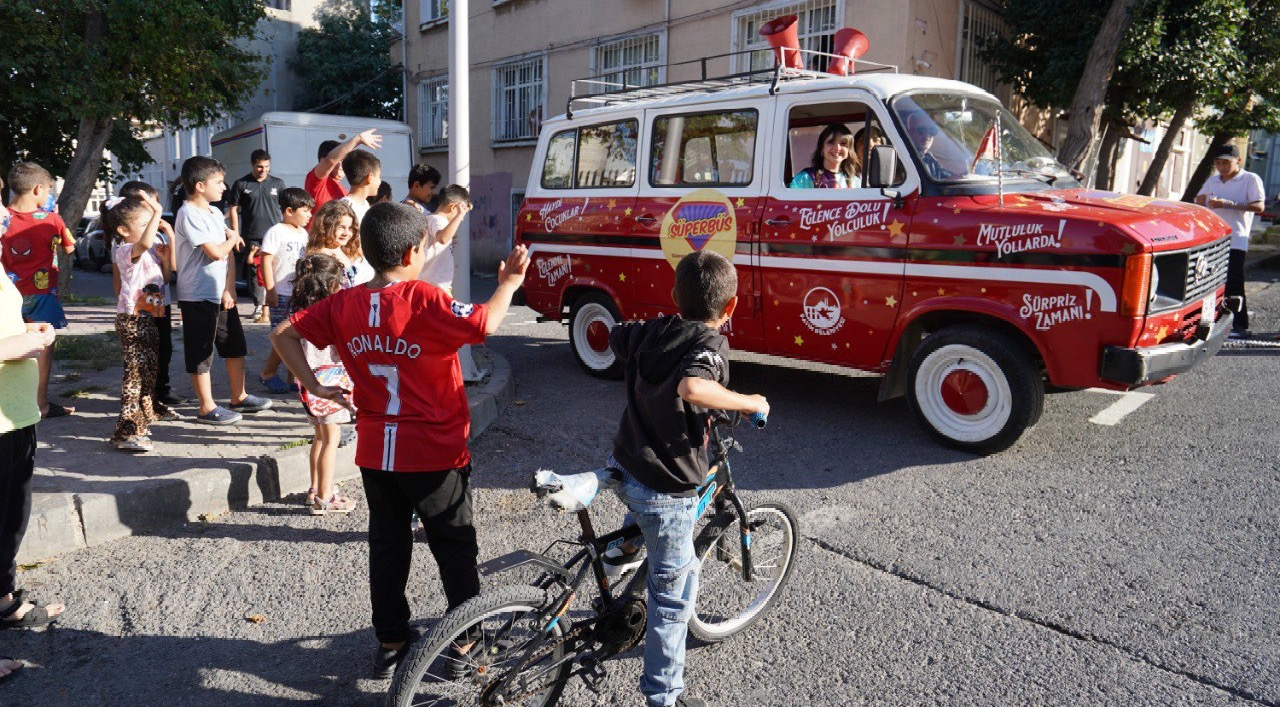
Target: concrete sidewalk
86, 493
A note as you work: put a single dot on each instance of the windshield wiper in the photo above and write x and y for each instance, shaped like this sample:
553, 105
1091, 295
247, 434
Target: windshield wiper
1048, 178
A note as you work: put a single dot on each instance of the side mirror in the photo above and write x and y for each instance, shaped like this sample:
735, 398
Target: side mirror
882, 166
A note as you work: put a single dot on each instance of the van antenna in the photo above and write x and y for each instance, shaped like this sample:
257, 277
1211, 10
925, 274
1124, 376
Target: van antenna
999, 162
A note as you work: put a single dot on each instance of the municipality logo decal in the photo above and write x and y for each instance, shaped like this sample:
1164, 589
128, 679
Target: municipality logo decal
821, 311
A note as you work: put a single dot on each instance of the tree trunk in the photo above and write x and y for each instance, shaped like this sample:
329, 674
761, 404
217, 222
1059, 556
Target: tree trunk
1086, 107
1205, 168
1113, 133
1158, 161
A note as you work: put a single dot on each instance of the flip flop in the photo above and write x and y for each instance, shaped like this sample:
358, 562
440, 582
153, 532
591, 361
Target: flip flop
56, 410
6, 677
35, 618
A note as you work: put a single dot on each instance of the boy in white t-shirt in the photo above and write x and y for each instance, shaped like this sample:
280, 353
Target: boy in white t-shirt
364, 172
1235, 196
282, 246
452, 204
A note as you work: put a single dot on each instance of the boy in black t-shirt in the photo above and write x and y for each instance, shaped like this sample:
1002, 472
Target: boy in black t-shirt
676, 371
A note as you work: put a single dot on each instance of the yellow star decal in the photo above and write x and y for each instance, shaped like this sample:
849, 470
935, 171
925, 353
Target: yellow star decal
622, 277
895, 228
941, 292
799, 341
528, 217
956, 210
891, 301
740, 202
958, 240
775, 303
628, 211
613, 203
1164, 331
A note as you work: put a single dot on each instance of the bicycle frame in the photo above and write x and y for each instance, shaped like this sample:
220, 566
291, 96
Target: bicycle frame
717, 492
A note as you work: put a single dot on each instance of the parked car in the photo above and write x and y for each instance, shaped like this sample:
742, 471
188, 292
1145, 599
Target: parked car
93, 249
965, 264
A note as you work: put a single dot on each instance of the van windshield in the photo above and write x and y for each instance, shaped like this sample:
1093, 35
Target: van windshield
953, 135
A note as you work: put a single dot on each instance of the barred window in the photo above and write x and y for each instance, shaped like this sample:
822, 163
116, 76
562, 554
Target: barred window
976, 24
633, 61
433, 112
818, 21
517, 99
433, 10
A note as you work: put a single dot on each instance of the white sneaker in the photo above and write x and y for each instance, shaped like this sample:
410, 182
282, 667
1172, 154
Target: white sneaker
618, 563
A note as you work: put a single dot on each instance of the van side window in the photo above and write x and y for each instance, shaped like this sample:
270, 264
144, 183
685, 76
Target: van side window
557, 171
607, 155
809, 164
704, 149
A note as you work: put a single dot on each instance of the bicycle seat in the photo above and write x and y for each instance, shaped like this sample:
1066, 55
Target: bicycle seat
572, 492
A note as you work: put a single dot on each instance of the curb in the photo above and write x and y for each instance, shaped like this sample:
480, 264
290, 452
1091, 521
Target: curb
62, 522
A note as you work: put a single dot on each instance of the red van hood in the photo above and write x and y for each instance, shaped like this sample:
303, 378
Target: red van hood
1160, 224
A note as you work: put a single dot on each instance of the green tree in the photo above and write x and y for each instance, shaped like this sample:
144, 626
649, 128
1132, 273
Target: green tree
84, 75
344, 65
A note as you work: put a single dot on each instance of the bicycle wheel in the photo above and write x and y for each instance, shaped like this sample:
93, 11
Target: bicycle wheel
727, 604
503, 623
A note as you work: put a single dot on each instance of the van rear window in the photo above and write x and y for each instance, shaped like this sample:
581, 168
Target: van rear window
704, 149
557, 171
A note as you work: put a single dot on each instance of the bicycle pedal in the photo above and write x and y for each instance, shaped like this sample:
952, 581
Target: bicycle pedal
593, 675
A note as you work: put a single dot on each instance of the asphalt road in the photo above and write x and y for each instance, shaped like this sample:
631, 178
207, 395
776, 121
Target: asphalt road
1100, 564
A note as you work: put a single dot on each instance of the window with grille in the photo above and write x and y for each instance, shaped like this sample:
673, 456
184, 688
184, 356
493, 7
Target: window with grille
517, 100
433, 112
433, 10
286, 5
977, 23
630, 61
817, 25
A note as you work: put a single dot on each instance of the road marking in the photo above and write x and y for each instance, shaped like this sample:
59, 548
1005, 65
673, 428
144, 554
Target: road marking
523, 323
1115, 412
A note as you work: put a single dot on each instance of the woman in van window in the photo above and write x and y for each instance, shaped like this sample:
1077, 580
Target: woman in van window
833, 166
860, 149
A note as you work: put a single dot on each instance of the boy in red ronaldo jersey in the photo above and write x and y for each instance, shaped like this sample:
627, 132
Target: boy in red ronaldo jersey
398, 338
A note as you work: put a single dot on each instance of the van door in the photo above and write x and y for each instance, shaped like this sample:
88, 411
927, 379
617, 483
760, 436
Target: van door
575, 217
831, 259
702, 190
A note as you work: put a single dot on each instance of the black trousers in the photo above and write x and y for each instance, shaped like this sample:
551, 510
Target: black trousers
249, 272
1235, 287
443, 500
164, 326
17, 465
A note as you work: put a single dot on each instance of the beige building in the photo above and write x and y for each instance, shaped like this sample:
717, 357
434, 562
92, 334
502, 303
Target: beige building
276, 42
524, 53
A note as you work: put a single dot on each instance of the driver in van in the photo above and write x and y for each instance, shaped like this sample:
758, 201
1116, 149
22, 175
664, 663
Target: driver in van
921, 129
833, 163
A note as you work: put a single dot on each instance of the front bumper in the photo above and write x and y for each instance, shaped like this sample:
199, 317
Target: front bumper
1136, 367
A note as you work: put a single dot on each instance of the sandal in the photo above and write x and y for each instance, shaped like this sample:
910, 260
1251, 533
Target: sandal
35, 618
56, 410
274, 384
336, 504
5, 678
311, 497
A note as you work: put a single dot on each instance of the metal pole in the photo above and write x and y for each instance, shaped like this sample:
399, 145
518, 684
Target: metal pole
460, 158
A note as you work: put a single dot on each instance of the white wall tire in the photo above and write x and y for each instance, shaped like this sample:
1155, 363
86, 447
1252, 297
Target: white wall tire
592, 318
974, 388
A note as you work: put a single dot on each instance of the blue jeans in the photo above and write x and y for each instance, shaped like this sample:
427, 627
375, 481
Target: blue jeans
667, 525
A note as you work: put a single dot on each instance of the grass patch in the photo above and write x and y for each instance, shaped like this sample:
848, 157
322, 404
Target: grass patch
96, 351
88, 300
84, 391
295, 443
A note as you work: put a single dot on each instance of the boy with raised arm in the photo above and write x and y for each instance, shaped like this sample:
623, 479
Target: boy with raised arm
324, 181
398, 338
677, 370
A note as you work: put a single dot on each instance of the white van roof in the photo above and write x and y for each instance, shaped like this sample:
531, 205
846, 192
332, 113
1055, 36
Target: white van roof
882, 85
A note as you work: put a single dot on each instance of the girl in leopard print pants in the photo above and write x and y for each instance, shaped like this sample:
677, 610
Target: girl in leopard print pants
140, 273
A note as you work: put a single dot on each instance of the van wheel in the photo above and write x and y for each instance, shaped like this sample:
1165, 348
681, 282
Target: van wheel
974, 388
592, 318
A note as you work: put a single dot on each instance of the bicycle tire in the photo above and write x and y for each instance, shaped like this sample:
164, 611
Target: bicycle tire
504, 607
727, 605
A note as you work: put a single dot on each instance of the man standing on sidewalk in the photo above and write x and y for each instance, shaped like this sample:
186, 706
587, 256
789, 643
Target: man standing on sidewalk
1235, 196
254, 209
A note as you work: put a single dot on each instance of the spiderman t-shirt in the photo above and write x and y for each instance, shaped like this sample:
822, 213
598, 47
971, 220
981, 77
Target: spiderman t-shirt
30, 251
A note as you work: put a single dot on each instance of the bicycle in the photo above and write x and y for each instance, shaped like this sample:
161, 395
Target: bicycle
524, 645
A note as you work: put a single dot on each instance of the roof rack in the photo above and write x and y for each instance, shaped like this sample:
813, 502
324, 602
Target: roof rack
616, 93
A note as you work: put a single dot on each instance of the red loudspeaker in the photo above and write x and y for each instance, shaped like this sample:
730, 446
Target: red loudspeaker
849, 43
783, 33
